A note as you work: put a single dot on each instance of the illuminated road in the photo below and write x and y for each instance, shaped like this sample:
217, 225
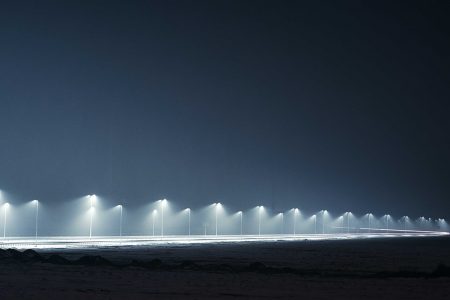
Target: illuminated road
127, 241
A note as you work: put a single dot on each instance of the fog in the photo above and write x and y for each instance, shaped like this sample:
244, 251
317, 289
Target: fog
164, 217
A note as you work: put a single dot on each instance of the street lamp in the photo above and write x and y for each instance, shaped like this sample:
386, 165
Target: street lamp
387, 222
153, 221
348, 221
36, 202
315, 223
217, 206
405, 220
282, 222
5, 209
163, 203
91, 212
120, 220
369, 216
421, 223
260, 208
189, 219
295, 219
323, 211
241, 215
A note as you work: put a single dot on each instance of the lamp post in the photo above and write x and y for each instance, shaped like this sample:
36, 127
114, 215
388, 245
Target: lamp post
163, 203
91, 212
323, 220
189, 220
295, 219
241, 215
315, 224
260, 208
369, 215
36, 203
216, 208
5, 208
387, 223
348, 222
153, 221
217, 205
282, 222
120, 220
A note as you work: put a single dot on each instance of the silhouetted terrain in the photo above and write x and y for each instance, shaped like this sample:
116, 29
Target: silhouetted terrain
393, 268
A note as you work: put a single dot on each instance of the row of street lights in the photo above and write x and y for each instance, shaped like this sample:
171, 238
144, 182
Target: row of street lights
5, 216
217, 206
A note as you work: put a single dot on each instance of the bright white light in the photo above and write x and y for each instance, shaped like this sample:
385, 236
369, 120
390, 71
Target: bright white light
77, 243
92, 199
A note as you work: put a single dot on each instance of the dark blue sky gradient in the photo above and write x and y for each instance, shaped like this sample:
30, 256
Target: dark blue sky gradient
316, 104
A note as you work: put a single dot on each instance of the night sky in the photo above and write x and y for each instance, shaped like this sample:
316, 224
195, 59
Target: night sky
313, 104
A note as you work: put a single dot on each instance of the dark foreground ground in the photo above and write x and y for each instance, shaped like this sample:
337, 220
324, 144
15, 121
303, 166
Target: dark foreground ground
402, 268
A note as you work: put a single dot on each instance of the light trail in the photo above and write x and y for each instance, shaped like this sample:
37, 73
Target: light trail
149, 241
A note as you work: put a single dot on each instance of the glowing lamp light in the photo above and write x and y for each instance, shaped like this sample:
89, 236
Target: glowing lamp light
92, 199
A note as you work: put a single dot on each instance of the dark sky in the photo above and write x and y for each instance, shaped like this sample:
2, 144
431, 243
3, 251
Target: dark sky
315, 104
